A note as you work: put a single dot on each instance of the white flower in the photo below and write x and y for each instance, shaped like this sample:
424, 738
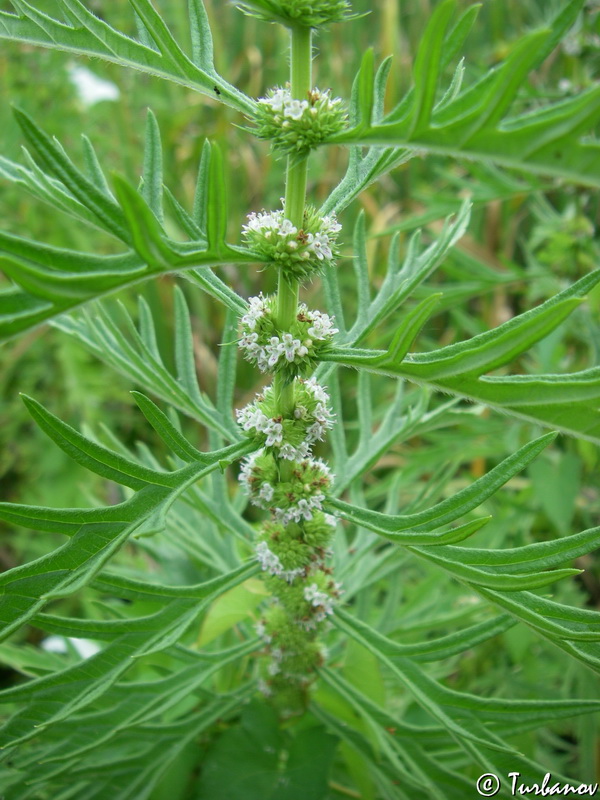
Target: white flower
300, 412
330, 224
270, 563
322, 326
317, 391
294, 109
304, 509
319, 600
266, 492
274, 431
277, 100
251, 417
246, 469
273, 350
261, 631
90, 88
257, 307
319, 245
291, 453
315, 432
286, 228
307, 624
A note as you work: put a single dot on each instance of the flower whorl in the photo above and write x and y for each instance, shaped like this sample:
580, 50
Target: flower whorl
294, 127
294, 352
300, 252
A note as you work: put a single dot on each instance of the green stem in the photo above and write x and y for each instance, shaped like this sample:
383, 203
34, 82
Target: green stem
295, 197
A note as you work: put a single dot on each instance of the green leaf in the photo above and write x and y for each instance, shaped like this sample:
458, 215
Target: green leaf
475, 125
244, 764
556, 487
91, 36
422, 688
27, 588
145, 752
93, 456
495, 708
308, 766
230, 608
244, 761
152, 180
453, 507
54, 160
216, 205
165, 429
554, 400
401, 279
410, 326
202, 45
56, 697
541, 555
490, 578
160, 34
130, 356
427, 65
53, 281
364, 88
184, 348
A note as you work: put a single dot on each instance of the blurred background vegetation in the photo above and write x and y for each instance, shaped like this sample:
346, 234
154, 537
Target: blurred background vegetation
526, 241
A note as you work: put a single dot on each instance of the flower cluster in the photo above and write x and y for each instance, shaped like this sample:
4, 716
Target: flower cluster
296, 499
291, 438
308, 13
292, 352
282, 477
299, 252
294, 650
297, 126
271, 563
291, 549
322, 602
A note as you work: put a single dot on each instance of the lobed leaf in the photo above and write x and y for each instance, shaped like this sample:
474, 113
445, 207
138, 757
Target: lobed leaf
453, 507
475, 124
552, 400
88, 35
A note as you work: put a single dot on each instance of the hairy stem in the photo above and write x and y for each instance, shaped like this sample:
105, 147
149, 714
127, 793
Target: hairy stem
295, 198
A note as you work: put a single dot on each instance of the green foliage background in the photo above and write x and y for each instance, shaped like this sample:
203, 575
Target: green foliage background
522, 247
